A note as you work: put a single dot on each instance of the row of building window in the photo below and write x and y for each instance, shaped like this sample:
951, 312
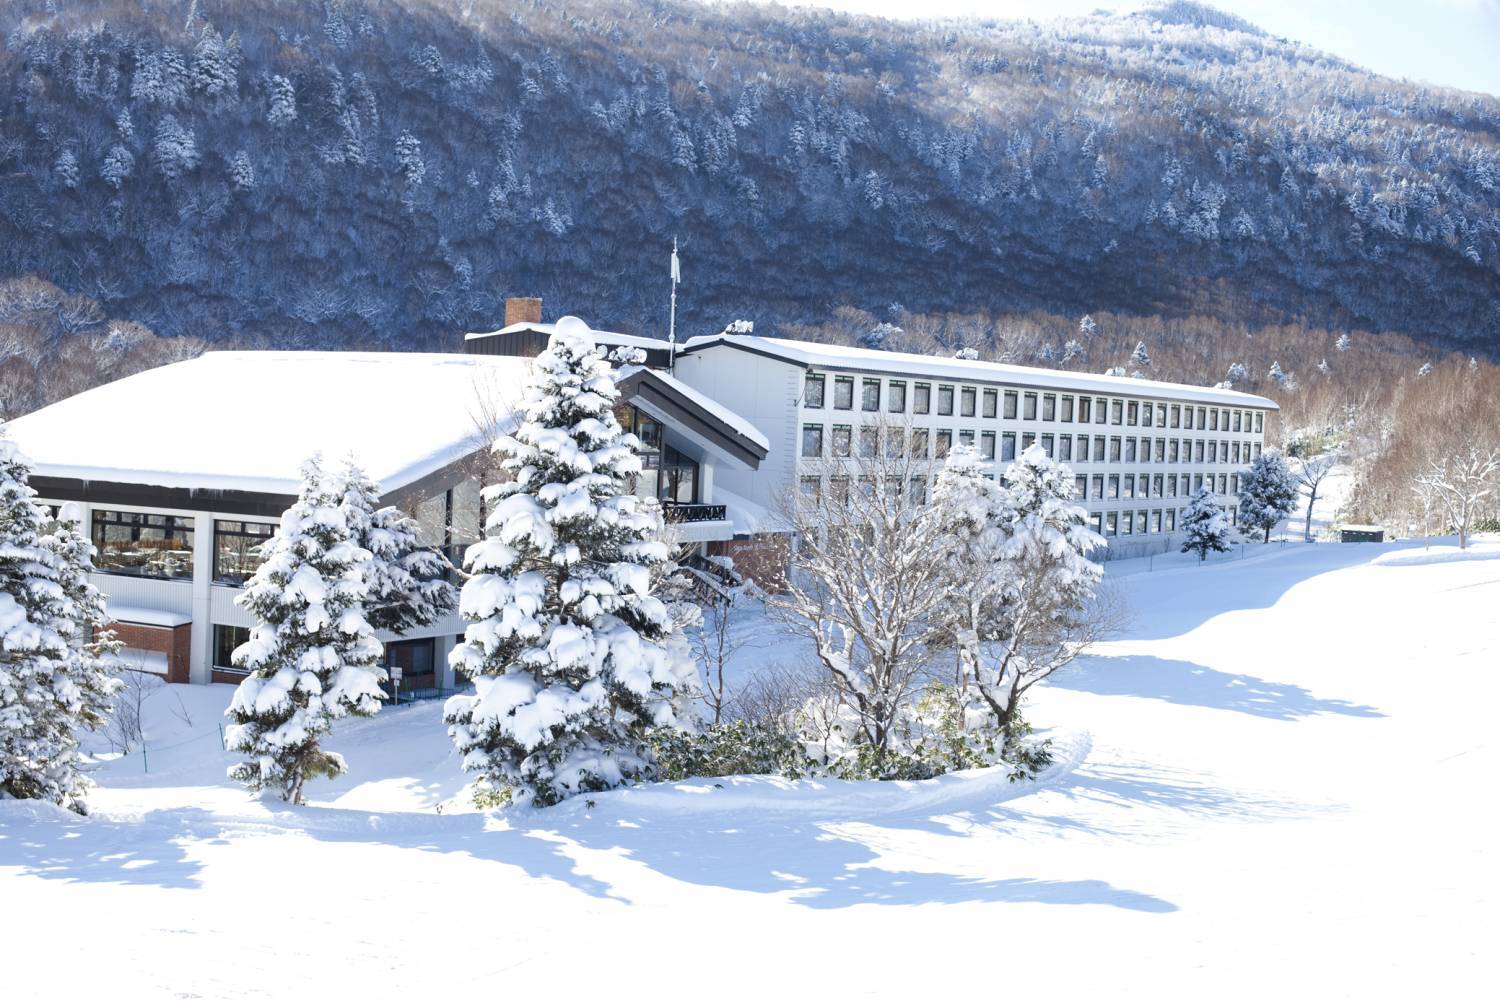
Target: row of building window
1113, 523
1015, 404
416, 658
922, 442
1085, 488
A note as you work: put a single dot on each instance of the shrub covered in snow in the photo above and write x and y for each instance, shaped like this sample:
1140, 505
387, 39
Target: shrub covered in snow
573, 657
312, 656
1205, 525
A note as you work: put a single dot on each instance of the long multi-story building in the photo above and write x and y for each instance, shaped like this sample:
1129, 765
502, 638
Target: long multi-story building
182, 472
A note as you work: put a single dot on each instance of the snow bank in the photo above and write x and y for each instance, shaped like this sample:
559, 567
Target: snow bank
1440, 554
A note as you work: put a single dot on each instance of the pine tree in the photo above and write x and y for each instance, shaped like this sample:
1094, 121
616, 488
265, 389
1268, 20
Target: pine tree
312, 656
1276, 374
1139, 357
1343, 343
573, 657
405, 582
1268, 493
56, 662
1205, 525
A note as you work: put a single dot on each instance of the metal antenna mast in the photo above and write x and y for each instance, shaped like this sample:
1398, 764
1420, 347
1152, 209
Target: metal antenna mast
672, 322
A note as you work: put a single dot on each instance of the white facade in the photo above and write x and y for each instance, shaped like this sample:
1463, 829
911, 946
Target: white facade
1137, 448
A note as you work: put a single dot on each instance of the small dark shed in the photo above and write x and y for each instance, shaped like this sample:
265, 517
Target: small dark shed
1361, 533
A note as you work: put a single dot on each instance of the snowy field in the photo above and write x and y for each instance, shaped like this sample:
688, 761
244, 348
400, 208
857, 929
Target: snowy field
1281, 781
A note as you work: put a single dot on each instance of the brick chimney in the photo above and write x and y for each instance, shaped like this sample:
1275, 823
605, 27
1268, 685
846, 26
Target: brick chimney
523, 311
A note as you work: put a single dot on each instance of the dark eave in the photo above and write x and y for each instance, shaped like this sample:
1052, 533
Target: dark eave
668, 401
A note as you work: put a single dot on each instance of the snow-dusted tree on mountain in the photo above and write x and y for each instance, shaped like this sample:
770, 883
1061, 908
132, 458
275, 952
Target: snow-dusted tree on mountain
312, 655
1021, 602
1343, 343
573, 657
1087, 326
405, 581
1238, 374
56, 653
1276, 374
1310, 474
1139, 357
1206, 526
1461, 483
1268, 493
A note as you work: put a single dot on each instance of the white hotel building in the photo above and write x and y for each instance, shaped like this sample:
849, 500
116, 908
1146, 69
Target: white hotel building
181, 485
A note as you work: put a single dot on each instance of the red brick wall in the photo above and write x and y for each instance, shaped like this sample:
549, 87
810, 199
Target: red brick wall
176, 642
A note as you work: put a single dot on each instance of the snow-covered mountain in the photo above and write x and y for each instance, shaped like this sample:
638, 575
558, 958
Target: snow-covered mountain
384, 173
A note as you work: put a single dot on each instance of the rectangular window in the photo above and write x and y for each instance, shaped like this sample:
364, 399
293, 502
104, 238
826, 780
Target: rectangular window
895, 442
1067, 409
152, 545
1234, 484
1047, 445
227, 638
812, 391
1111, 524
843, 440
1028, 438
1116, 411
1100, 410
1127, 523
1198, 451
1260, 419
1176, 416
966, 437
1098, 522
869, 442
1213, 420
1130, 449
1127, 487
1114, 449
945, 400
1223, 482
919, 442
1202, 418
1010, 405
1140, 522
1114, 487
1132, 413
987, 445
1028, 406
990, 402
1161, 414
238, 546
1171, 486
1187, 418
966, 399
1008, 447
843, 393
895, 397
1085, 409
1099, 448
415, 659
1234, 453
1237, 415
1172, 450
943, 444
869, 397
918, 490
1234, 515
812, 490
921, 400
1257, 453
1156, 522
1197, 482
1065, 448
1171, 520
1098, 493
1213, 451
1145, 414
1156, 484
812, 440
1223, 451
1049, 407
1080, 487
1159, 450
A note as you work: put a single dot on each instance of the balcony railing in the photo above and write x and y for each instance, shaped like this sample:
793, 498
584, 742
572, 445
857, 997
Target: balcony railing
690, 513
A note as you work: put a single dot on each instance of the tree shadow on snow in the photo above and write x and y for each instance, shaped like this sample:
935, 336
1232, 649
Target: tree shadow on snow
59, 845
1183, 683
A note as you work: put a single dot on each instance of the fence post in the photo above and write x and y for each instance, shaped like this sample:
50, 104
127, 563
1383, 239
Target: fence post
222, 744
145, 763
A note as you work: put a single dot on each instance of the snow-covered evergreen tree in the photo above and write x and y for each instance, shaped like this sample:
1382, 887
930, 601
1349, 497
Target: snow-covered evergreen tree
1087, 326
1425, 370
56, 662
1139, 357
405, 585
1276, 374
1238, 374
1343, 343
1268, 493
573, 657
1205, 525
312, 656
1324, 368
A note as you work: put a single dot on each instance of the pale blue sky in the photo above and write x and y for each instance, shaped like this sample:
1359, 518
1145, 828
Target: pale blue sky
1455, 43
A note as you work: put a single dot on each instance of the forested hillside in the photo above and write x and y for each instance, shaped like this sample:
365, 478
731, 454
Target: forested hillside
386, 172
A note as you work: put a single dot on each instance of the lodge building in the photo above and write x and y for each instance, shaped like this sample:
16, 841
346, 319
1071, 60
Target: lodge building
183, 471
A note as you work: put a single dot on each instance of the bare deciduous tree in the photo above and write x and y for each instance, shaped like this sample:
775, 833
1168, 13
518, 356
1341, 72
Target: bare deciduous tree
1310, 473
1460, 483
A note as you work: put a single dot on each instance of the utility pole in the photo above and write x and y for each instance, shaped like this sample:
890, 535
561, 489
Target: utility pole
672, 322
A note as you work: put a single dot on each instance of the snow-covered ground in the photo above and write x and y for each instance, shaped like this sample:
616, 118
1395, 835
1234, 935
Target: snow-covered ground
1280, 781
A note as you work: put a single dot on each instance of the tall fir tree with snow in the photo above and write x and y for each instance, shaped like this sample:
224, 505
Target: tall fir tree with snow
573, 657
1205, 525
1276, 374
1343, 343
1268, 493
56, 662
1139, 357
405, 581
312, 655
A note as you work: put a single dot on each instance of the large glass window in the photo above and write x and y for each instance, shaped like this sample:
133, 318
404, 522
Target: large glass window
921, 399
919, 442
987, 445
942, 444
1116, 411
812, 440
1100, 406
990, 397
869, 442
869, 399
843, 440
1067, 409
238, 547
1008, 447
812, 391
153, 545
415, 659
895, 397
467, 525
1028, 406
966, 398
1010, 405
1065, 448
843, 393
1049, 407
1132, 413
227, 638
945, 400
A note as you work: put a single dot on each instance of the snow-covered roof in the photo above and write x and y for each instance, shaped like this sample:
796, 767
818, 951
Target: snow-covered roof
733, 420
608, 337
246, 420
895, 363
147, 616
